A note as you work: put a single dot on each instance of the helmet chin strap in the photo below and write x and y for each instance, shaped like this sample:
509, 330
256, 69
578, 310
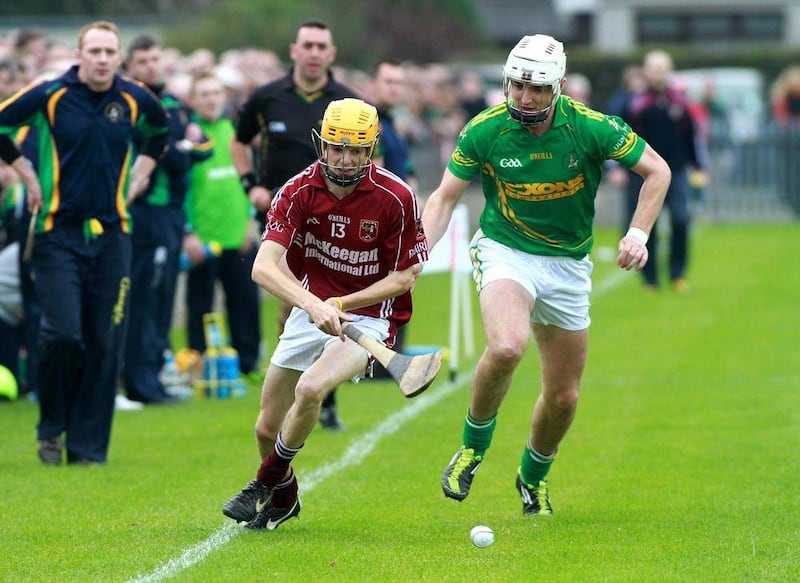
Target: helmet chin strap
343, 180
531, 119
527, 119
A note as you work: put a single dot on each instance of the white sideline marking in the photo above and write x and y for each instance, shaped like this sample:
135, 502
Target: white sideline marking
353, 455
611, 281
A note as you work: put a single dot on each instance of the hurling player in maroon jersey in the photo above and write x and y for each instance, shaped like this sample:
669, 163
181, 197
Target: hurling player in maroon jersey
350, 233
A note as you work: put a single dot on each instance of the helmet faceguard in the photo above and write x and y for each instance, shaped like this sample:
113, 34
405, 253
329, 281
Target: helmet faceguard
537, 60
347, 140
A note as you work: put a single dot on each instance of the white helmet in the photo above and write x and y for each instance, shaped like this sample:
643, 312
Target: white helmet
536, 60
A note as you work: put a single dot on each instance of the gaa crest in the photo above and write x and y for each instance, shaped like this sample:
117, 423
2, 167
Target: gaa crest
571, 161
114, 112
368, 230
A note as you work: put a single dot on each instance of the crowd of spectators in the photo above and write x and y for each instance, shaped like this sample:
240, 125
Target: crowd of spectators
437, 100
433, 110
435, 103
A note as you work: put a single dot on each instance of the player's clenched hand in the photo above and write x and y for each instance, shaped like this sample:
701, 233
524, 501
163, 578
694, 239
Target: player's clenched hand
632, 253
328, 317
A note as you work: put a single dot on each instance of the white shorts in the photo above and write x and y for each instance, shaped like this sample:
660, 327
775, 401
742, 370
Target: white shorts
560, 286
302, 343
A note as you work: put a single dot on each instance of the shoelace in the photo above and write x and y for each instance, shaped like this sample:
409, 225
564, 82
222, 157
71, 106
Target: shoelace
541, 495
467, 457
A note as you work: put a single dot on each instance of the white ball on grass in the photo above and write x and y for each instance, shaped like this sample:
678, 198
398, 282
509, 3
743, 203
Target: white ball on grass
481, 536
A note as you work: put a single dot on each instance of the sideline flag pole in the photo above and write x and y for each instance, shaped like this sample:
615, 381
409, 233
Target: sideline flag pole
452, 254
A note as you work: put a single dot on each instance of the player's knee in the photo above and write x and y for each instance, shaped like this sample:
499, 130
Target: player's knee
309, 393
506, 353
565, 400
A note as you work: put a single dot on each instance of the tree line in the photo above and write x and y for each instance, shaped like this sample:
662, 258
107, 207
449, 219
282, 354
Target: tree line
364, 30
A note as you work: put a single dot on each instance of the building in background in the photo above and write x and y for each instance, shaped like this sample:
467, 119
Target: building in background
613, 26
622, 25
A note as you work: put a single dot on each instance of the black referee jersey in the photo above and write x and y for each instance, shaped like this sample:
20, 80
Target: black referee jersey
284, 115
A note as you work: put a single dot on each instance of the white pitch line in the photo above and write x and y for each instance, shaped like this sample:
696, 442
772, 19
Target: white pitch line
611, 281
354, 455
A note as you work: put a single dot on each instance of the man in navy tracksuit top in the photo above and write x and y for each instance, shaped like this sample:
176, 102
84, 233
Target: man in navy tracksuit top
159, 220
85, 122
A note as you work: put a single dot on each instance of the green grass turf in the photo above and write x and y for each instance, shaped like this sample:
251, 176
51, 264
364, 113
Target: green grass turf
682, 464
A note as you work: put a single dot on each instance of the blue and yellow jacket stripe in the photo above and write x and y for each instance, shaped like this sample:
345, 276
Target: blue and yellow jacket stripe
85, 144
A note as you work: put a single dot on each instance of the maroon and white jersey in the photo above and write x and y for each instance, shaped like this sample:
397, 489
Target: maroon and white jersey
339, 246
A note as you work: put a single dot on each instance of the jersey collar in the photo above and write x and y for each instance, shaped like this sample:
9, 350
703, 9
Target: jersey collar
70, 77
560, 116
287, 82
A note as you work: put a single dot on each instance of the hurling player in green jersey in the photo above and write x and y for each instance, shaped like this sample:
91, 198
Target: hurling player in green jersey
540, 157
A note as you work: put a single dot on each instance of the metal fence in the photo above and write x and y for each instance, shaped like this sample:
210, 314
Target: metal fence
757, 178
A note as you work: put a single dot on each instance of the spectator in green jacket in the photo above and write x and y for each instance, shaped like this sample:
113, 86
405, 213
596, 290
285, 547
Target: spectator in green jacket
219, 216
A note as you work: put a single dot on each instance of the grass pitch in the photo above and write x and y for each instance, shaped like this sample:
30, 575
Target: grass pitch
682, 463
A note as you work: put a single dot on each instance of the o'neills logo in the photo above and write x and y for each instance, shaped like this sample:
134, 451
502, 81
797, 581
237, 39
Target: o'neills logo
114, 112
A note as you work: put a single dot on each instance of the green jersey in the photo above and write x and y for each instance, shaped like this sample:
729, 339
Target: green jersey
216, 207
540, 191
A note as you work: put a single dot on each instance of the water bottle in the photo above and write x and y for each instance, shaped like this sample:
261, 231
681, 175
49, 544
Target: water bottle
237, 386
228, 372
170, 376
212, 249
210, 372
214, 339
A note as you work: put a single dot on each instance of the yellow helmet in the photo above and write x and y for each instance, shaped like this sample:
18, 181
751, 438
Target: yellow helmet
347, 124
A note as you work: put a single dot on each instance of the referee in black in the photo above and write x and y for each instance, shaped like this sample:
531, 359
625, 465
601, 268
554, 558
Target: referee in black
273, 134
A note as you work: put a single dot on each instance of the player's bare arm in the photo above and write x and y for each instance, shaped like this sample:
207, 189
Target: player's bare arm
439, 206
393, 285
268, 274
656, 173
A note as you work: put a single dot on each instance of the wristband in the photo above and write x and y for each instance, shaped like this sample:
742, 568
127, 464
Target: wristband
338, 301
248, 181
637, 234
